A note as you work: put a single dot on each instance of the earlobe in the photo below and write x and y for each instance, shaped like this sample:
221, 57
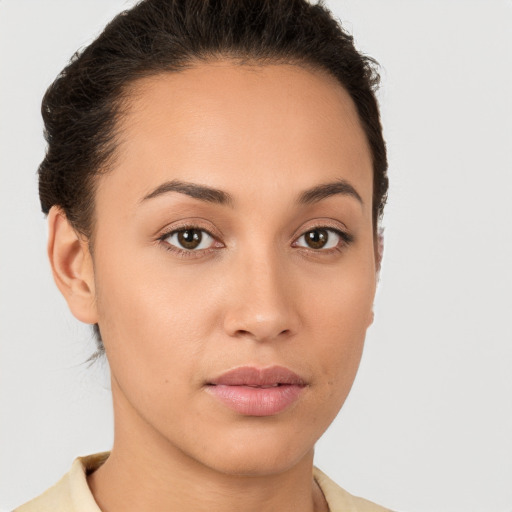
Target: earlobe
371, 318
71, 265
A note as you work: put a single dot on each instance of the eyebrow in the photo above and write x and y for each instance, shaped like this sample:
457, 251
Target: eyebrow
201, 192
214, 195
315, 194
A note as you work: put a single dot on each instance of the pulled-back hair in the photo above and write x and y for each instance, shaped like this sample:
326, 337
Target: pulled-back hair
82, 107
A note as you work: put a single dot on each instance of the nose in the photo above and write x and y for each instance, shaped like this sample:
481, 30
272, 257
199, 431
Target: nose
262, 302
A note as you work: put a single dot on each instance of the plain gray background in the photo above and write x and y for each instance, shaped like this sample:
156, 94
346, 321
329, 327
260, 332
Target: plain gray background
428, 425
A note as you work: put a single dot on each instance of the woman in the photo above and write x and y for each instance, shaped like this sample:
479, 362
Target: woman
214, 180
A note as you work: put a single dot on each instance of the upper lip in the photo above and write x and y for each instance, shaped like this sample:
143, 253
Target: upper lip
258, 377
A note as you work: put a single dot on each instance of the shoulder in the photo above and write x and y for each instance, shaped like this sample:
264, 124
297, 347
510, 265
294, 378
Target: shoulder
71, 493
57, 498
340, 500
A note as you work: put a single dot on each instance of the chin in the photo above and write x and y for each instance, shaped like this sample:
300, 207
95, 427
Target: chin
257, 450
251, 464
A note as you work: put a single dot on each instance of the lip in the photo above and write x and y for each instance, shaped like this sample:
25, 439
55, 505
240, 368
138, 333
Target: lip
252, 391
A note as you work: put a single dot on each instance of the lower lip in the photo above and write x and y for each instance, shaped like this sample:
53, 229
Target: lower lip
255, 401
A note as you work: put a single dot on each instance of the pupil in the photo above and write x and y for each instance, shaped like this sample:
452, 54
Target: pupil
317, 239
190, 238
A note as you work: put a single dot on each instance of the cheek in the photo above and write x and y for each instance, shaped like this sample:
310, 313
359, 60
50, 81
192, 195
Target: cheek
339, 321
154, 329
156, 318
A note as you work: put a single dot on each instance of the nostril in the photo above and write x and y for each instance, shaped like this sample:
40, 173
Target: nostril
260, 335
241, 332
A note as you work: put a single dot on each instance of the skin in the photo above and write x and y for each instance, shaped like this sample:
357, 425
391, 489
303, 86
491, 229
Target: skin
256, 295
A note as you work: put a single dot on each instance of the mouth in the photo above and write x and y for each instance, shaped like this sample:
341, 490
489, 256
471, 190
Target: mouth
252, 391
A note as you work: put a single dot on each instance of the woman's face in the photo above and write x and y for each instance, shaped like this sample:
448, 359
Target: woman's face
234, 263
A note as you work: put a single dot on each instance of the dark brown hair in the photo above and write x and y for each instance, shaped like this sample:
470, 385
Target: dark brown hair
81, 108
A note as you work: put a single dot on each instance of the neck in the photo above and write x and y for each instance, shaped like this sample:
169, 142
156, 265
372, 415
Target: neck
146, 472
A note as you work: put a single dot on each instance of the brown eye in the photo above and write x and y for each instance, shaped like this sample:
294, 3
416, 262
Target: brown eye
190, 239
319, 238
316, 239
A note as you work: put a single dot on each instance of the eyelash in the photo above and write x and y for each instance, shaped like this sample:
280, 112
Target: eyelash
346, 240
186, 253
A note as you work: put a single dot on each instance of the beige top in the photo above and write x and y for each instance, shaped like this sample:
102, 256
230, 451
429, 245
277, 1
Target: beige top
72, 494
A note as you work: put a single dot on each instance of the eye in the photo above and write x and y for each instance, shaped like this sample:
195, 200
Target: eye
320, 238
190, 239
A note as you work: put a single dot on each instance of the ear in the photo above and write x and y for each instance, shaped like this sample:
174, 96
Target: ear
72, 266
379, 249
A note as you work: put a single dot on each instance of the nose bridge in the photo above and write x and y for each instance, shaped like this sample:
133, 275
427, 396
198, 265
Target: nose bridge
261, 306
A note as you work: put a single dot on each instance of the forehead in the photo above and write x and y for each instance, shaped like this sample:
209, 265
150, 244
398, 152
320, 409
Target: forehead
236, 126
